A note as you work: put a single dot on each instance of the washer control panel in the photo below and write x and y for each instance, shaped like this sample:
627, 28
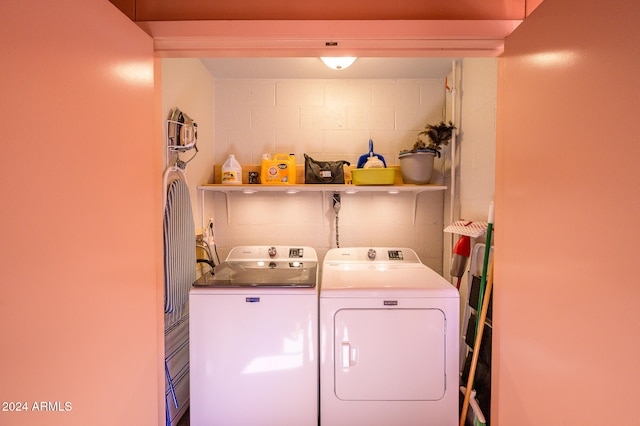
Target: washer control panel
295, 253
272, 253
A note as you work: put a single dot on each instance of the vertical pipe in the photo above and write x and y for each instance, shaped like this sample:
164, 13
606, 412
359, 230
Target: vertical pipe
452, 197
202, 212
453, 93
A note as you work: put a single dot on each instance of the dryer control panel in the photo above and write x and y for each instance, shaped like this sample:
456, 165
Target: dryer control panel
372, 254
395, 255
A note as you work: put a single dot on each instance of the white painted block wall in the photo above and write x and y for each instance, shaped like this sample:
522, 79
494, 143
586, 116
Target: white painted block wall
328, 120
333, 119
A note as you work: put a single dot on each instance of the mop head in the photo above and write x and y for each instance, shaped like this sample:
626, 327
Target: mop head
467, 228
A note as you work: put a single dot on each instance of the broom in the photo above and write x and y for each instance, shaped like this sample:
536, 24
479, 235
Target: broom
483, 306
476, 346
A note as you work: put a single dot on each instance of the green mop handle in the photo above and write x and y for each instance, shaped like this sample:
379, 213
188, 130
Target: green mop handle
487, 251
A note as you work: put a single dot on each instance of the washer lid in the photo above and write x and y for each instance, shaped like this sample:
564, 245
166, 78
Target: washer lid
262, 273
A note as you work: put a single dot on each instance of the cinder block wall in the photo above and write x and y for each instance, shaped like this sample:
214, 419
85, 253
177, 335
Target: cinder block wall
330, 120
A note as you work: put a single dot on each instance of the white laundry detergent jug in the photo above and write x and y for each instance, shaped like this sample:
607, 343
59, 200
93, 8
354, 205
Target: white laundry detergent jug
231, 171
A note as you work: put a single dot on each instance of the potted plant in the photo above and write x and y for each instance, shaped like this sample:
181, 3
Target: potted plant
416, 164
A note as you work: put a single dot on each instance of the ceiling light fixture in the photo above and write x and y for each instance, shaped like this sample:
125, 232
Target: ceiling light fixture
338, 63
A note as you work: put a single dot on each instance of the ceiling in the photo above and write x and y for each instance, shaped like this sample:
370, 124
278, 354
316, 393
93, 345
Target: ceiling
310, 68
283, 38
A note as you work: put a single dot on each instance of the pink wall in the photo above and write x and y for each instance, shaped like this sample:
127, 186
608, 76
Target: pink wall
79, 216
567, 199
80, 221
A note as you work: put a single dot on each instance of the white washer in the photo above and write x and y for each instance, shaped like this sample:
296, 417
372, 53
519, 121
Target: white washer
389, 338
254, 339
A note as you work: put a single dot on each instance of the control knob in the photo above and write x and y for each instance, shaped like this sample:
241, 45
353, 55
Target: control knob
371, 254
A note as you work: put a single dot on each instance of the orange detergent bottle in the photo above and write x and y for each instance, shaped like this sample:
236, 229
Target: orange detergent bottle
281, 170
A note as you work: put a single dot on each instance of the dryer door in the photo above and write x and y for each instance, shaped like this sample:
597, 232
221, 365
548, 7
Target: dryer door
389, 354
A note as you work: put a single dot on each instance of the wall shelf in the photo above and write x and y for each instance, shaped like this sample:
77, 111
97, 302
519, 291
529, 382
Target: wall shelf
340, 188
321, 188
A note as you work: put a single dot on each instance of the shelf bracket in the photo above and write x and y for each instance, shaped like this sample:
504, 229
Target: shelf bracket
227, 203
325, 190
415, 206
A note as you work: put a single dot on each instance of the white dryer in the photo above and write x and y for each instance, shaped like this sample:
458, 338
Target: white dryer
389, 339
254, 339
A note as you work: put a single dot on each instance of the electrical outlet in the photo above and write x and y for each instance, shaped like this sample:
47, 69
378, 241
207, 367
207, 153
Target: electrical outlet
210, 234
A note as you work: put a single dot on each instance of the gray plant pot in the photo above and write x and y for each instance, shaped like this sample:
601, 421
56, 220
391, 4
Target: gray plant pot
417, 167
